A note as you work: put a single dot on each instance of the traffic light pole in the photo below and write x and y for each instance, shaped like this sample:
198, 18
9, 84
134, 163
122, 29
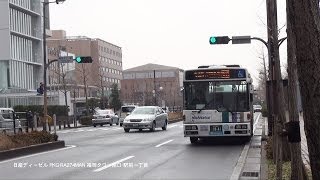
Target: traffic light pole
45, 100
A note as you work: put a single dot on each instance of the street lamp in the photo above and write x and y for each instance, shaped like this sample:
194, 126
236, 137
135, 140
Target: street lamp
45, 100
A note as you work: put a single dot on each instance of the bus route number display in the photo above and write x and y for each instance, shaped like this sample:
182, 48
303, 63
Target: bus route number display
215, 74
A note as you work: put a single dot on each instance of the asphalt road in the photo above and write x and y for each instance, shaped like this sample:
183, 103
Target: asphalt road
110, 153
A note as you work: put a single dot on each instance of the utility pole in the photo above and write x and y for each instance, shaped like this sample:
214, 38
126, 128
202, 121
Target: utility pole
154, 87
276, 84
45, 100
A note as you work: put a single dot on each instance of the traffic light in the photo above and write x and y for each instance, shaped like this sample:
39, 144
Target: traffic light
83, 59
219, 40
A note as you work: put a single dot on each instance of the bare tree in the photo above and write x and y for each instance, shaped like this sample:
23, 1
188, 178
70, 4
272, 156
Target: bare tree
84, 76
101, 86
59, 74
305, 20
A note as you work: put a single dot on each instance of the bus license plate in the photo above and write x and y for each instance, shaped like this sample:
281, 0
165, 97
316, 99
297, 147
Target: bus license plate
215, 130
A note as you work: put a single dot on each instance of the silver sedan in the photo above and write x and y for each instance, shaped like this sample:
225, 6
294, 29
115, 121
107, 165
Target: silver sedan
146, 117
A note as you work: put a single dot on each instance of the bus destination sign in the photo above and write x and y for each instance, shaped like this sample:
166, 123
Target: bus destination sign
215, 74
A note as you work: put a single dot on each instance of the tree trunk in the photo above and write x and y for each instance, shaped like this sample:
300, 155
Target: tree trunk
305, 21
85, 88
279, 105
296, 160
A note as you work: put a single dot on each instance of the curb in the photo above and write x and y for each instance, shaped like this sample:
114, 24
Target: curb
13, 153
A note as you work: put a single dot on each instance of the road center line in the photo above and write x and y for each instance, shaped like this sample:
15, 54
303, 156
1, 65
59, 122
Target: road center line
112, 164
51, 151
163, 143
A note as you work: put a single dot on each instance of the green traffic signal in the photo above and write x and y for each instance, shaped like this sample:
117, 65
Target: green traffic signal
212, 40
83, 59
219, 40
78, 59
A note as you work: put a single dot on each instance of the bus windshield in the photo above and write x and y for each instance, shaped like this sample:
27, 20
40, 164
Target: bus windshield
230, 96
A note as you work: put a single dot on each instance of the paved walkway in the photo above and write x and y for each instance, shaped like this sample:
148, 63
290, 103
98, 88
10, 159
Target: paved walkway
304, 146
252, 165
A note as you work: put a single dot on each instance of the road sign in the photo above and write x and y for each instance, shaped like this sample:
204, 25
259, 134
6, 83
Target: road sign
241, 39
66, 59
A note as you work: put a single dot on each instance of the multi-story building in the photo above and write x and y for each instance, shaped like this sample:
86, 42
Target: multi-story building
106, 68
152, 84
21, 44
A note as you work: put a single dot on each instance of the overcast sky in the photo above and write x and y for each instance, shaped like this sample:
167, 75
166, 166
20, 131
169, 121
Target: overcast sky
171, 32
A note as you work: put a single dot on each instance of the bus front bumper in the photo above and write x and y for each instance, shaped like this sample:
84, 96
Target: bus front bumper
217, 129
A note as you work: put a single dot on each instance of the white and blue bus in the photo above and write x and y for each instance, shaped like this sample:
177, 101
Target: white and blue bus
217, 102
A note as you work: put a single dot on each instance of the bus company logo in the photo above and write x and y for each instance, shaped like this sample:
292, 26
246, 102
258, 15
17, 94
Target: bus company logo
200, 117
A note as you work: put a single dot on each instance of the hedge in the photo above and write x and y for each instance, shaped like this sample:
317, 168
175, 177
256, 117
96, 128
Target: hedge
57, 110
86, 120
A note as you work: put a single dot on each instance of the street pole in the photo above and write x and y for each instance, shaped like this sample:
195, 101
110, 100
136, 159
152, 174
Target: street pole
154, 87
45, 100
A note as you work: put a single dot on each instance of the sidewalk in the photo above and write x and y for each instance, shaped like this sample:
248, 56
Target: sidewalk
252, 166
304, 146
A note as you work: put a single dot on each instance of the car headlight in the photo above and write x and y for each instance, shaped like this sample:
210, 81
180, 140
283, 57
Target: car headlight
126, 120
147, 120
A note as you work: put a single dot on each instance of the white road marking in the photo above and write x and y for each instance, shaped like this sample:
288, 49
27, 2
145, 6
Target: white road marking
80, 130
240, 164
104, 129
91, 130
37, 154
112, 164
62, 132
172, 126
163, 143
116, 128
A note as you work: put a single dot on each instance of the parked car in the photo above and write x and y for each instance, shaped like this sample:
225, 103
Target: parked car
257, 108
105, 116
6, 120
125, 111
146, 117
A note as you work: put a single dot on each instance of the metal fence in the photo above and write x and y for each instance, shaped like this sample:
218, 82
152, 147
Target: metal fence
11, 101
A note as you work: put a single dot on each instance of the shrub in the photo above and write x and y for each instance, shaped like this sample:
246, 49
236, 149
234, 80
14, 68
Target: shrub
58, 110
264, 111
5, 142
86, 120
26, 139
268, 148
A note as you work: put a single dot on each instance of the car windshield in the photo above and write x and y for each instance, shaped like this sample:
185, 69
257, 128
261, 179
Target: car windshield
127, 108
7, 114
257, 107
222, 96
103, 112
148, 110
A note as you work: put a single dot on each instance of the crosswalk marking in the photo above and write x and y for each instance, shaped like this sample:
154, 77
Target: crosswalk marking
90, 130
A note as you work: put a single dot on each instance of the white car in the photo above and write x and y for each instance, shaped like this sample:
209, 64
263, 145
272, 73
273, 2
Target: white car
105, 116
146, 117
6, 120
257, 108
125, 111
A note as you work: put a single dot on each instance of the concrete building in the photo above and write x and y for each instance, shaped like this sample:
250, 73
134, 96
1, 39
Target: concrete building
152, 84
21, 44
106, 68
